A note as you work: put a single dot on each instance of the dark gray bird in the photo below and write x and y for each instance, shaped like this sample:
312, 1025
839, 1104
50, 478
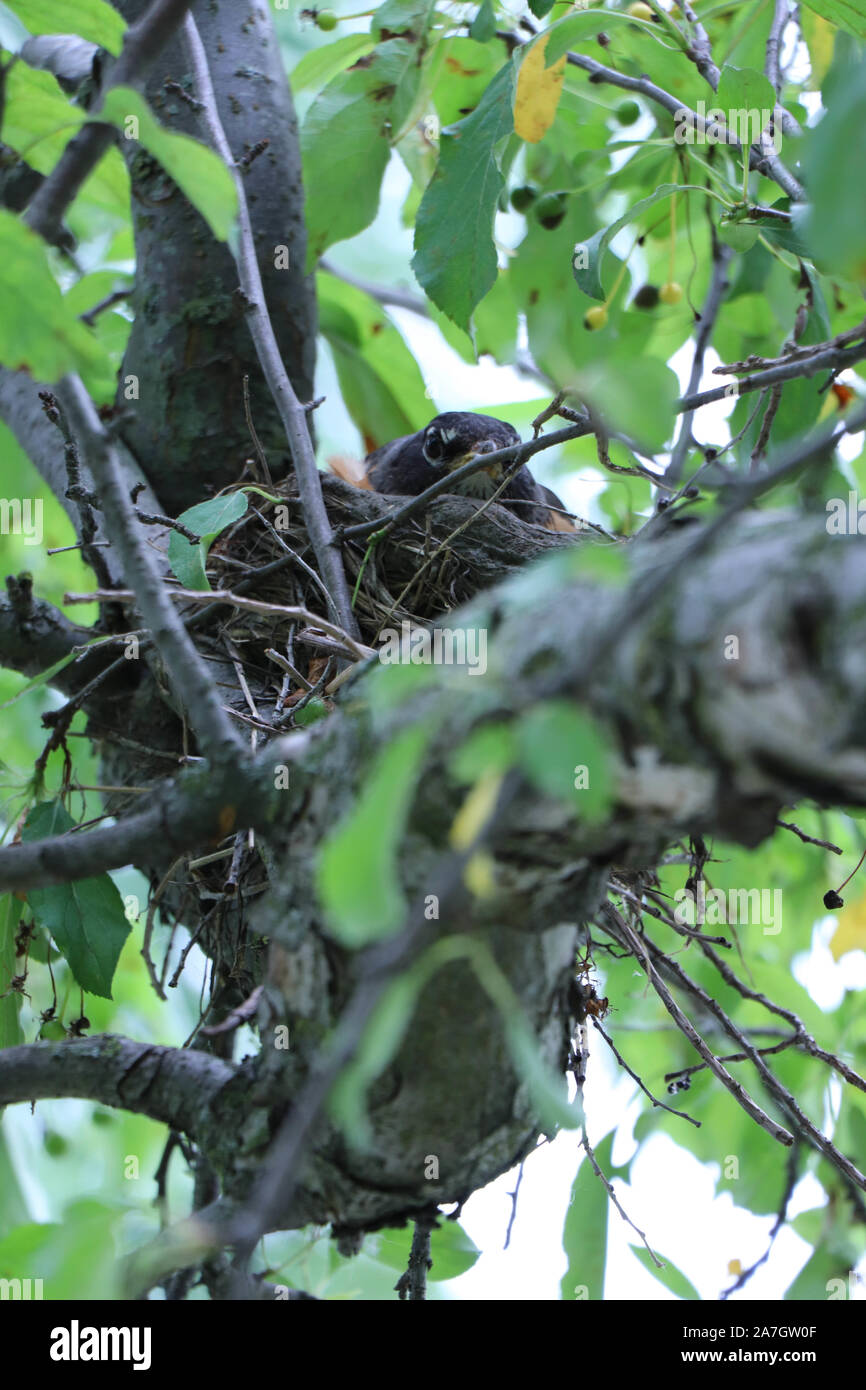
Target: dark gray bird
409, 465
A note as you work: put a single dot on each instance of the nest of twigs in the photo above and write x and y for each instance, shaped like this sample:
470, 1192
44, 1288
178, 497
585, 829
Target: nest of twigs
415, 572
278, 668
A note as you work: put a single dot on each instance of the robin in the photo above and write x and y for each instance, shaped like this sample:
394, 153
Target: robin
409, 465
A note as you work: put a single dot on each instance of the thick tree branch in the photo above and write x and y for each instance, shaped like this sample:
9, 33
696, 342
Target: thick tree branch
199, 807
292, 413
35, 635
173, 1085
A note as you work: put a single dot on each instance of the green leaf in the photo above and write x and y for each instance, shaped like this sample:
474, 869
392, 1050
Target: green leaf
207, 520
37, 118
408, 20
358, 876
669, 1275
588, 255
95, 20
380, 381
37, 331
199, 173
317, 67
13, 1208
541, 7
558, 747
463, 71
345, 146
849, 15
85, 918
76, 1257
455, 258
311, 713
836, 216
639, 395
744, 90
584, 1235
451, 1249
577, 28
10, 916
483, 26
490, 748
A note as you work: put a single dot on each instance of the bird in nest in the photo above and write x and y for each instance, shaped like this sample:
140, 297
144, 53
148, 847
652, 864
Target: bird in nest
409, 465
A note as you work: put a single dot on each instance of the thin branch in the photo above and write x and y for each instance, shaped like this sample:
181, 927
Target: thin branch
253, 605
513, 454
187, 672
825, 359
762, 160
793, 353
291, 411
87, 527
414, 1282
780, 1093
712, 304
116, 296
594, 1164
185, 814
621, 931
699, 49
790, 1183
808, 839
660, 1104
772, 68
386, 295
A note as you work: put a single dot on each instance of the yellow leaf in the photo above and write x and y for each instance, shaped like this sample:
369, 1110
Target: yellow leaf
480, 875
734, 1267
850, 933
538, 92
476, 810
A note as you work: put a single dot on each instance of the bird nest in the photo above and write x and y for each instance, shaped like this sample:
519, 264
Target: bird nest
415, 572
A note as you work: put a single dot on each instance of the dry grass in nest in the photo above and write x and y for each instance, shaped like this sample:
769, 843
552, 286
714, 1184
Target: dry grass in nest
417, 573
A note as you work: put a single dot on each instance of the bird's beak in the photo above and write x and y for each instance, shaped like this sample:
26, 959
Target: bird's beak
484, 446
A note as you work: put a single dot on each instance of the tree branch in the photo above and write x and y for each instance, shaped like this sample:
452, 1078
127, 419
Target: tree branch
175, 1086
187, 672
291, 411
712, 304
762, 160
833, 359
34, 635
515, 453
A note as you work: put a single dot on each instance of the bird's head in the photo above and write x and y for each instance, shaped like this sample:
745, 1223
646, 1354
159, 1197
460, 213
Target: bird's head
454, 438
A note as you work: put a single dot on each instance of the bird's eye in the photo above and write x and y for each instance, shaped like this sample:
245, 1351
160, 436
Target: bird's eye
433, 448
